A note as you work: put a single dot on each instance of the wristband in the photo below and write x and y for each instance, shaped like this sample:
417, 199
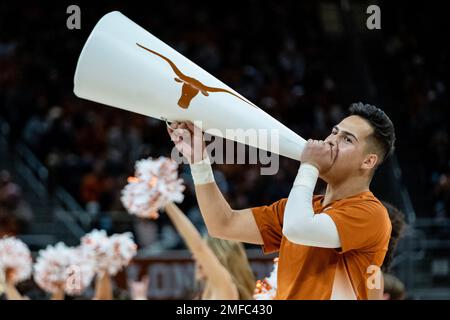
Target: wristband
202, 172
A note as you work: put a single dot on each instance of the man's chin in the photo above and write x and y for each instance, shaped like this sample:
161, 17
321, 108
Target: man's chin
331, 175
327, 175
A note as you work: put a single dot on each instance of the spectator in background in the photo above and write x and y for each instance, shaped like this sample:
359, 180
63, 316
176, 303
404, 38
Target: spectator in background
394, 289
92, 185
146, 231
398, 226
15, 213
442, 195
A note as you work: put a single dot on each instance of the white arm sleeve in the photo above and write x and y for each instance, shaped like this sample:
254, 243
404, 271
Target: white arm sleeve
300, 224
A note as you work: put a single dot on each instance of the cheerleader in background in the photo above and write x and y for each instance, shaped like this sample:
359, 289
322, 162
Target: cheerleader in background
8, 286
61, 270
15, 266
398, 226
267, 289
109, 255
221, 266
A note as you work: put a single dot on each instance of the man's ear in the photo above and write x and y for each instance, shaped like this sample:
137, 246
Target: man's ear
370, 161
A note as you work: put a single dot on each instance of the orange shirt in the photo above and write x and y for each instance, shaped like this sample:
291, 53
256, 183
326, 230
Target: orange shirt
306, 272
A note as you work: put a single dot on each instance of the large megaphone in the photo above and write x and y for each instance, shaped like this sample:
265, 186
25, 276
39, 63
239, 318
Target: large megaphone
124, 66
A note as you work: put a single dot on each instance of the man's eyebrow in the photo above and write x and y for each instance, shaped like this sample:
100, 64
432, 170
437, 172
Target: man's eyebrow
346, 132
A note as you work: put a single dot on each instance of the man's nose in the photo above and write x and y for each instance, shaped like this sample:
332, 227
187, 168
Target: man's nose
331, 140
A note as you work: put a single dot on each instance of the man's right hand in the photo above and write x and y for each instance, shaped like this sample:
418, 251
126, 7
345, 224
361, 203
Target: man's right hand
188, 140
222, 221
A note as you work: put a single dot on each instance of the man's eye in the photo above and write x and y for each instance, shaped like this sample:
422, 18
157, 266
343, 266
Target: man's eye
348, 140
333, 132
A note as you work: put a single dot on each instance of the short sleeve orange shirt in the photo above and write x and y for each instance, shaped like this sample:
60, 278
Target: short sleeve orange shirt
306, 272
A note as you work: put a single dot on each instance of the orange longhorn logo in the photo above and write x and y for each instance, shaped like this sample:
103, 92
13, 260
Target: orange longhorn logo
191, 87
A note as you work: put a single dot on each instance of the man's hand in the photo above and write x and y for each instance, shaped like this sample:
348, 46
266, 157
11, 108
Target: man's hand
188, 140
320, 154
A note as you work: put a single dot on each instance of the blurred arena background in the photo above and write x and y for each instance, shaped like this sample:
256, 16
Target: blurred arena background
64, 160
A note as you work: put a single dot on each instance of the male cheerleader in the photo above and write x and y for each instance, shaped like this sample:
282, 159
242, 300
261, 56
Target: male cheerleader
331, 245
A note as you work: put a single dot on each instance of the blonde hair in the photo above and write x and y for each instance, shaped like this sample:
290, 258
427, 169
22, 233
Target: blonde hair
232, 256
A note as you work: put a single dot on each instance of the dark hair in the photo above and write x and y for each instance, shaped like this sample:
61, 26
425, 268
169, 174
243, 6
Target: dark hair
383, 128
398, 225
394, 287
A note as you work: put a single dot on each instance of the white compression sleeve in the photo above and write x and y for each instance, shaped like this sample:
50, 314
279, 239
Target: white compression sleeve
202, 172
300, 224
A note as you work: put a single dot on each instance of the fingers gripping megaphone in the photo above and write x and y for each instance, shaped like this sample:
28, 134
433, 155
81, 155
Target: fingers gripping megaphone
124, 66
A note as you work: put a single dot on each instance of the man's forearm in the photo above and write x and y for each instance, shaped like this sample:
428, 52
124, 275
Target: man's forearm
299, 211
214, 208
301, 225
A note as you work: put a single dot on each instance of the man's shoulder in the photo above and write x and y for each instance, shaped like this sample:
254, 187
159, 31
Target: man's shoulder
365, 201
366, 197
370, 200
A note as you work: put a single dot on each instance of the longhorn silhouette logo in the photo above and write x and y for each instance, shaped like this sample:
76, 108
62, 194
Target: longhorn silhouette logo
191, 87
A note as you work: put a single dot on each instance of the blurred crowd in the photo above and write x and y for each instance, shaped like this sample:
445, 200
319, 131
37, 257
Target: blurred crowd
277, 55
411, 72
15, 213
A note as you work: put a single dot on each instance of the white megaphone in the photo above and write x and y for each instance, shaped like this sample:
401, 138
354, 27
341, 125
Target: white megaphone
124, 66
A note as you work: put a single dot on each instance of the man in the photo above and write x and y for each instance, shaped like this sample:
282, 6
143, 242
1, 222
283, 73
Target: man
329, 245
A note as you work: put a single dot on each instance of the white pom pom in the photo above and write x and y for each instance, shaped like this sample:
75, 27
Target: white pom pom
110, 254
272, 279
15, 257
80, 272
62, 268
124, 248
155, 184
50, 267
267, 288
96, 247
268, 295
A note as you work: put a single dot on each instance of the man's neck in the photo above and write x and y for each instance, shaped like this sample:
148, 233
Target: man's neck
344, 189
